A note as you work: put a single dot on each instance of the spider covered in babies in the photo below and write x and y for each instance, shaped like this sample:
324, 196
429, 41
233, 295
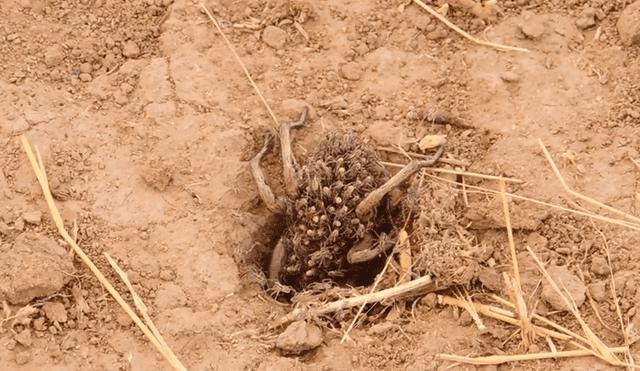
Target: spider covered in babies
340, 213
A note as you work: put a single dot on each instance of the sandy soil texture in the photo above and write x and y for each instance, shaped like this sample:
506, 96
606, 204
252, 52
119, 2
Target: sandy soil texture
145, 123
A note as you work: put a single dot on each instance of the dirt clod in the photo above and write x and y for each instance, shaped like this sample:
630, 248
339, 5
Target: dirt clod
24, 337
55, 311
32, 217
629, 24
586, 19
351, 71
35, 266
274, 36
599, 266
131, 49
300, 336
565, 280
532, 26
598, 291
54, 55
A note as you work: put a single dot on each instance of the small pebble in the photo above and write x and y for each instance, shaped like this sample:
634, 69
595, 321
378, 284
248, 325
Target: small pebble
32, 217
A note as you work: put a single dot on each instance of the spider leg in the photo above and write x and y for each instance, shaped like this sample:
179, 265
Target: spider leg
288, 159
368, 248
259, 175
278, 259
365, 207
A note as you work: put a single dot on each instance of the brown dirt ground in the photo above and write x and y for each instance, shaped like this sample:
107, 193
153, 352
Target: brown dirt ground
145, 123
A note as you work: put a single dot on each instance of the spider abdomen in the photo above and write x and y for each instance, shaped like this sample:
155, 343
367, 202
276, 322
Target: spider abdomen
340, 173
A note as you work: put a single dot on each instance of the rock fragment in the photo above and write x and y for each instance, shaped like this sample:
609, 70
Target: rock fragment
274, 36
34, 267
55, 311
586, 19
351, 71
131, 49
299, 337
54, 55
533, 26
565, 280
24, 337
598, 291
32, 217
599, 265
629, 24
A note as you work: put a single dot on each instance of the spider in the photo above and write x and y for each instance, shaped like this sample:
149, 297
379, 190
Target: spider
335, 205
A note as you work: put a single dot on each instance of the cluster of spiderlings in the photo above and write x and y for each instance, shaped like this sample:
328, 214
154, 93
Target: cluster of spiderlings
334, 180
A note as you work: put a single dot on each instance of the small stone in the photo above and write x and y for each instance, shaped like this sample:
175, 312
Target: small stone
38, 324
565, 280
537, 242
490, 279
120, 97
32, 217
274, 36
299, 337
24, 337
131, 49
465, 319
598, 291
86, 68
599, 265
19, 224
351, 71
54, 55
166, 275
55, 311
430, 300
510, 76
629, 24
362, 49
85, 77
586, 19
532, 27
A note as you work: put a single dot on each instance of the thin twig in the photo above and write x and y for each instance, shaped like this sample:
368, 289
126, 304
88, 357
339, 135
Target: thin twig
598, 348
415, 286
449, 161
512, 245
502, 315
496, 360
136, 300
264, 101
466, 173
466, 35
590, 215
578, 195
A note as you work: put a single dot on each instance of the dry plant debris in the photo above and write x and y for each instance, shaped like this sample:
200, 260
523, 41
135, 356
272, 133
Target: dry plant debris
463, 33
38, 168
589, 344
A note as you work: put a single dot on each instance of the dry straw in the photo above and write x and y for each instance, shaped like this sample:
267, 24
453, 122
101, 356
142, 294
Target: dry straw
38, 168
464, 34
